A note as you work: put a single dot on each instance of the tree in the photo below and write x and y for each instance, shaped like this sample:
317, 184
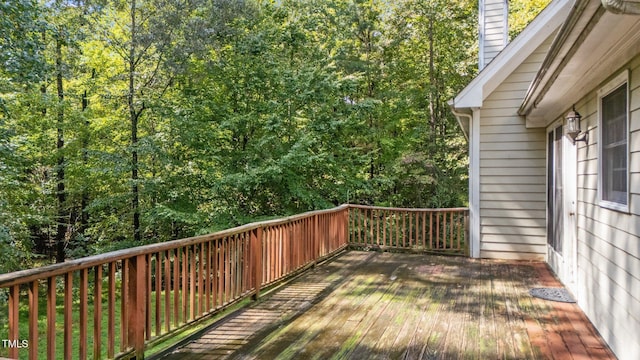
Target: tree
180, 117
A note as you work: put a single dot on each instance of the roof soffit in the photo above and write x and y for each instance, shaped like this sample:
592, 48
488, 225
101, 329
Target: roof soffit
601, 44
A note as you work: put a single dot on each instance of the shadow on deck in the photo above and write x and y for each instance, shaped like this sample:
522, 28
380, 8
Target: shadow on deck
366, 305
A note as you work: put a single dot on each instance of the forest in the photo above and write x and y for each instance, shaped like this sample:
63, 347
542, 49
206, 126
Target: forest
127, 122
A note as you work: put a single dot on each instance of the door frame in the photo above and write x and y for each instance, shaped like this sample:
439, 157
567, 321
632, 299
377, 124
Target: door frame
563, 263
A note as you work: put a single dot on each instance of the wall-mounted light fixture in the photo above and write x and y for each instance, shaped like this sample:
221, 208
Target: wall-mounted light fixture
572, 128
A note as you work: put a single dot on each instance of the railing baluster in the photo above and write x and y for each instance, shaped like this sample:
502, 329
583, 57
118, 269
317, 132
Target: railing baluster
233, 273
452, 230
274, 241
68, 311
84, 294
184, 257
430, 230
240, 262
417, 229
124, 313
216, 272
111, 312
221, 271
438, 231
208, 282
148, 286
410, 214
258, 233
158, 295
280, 255
33, 320
445, 231
285, 255
365, 227
14, 318
292, 248
201, 280
97, 312
167, 290
377, 235
424, 230
358, 225
191, 251
51, 317
395, 235
176, 287
404, 229
459, 226
383, 241
370, 227
246, 263
316, 236
227, 285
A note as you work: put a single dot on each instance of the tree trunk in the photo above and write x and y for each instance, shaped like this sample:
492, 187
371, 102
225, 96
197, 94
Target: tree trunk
133, 115
61, 195
84, 202
432, 82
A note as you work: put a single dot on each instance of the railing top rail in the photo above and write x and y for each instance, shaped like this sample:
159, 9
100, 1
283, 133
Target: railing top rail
29, 275
356, 206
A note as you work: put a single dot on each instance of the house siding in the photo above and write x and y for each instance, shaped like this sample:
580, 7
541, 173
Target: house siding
492, 24
608, 278
512, 171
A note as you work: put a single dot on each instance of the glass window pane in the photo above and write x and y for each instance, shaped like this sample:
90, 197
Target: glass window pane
614, 146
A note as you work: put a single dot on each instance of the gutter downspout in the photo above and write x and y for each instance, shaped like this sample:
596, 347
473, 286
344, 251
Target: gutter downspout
622, 7
470, 124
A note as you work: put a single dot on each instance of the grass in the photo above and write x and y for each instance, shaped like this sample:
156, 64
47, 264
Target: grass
157, 346
42, 325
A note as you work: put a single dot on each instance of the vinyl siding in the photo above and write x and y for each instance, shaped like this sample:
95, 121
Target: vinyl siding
512, 171
608, 240
494, 38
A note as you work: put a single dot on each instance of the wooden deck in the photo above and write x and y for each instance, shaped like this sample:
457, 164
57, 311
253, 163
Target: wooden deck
369, 305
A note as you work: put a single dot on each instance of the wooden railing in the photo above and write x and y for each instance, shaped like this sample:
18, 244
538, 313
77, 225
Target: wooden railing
127, 300
422, 230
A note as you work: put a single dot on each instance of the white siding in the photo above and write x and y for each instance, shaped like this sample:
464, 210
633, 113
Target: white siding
493, 25
512, 171
608, 240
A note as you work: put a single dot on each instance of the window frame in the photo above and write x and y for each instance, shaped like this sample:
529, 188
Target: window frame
614, 84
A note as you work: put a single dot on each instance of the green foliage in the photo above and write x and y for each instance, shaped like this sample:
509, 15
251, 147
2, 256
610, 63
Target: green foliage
21, 44
12, 254
521, 12
243, 110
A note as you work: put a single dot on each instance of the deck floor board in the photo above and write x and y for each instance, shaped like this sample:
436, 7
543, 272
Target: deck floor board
367, 305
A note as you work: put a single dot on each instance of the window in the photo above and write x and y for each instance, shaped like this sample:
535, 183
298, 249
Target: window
614, 134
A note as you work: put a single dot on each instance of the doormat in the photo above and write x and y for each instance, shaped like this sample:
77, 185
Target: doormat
553, 294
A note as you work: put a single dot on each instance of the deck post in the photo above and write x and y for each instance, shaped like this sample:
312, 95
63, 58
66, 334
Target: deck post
316, 239
256, 247
467, 238
345, 226
136, 302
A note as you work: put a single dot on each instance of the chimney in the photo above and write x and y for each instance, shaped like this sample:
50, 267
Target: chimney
494, 29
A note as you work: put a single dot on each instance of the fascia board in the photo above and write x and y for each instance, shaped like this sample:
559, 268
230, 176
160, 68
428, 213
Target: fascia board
548, 21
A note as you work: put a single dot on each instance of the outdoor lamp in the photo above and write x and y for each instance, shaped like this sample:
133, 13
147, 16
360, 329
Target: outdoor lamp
572, 128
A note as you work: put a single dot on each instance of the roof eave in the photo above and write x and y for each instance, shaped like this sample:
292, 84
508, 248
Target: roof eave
546, 74
473, 95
